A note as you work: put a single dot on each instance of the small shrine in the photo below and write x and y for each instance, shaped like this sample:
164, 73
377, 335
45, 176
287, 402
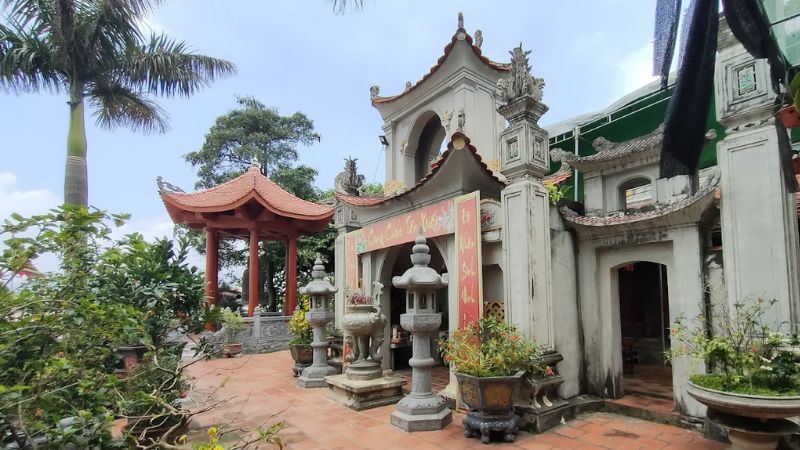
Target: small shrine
253, 208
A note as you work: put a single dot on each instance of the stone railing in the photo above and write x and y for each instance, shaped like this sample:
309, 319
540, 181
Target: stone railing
267, 334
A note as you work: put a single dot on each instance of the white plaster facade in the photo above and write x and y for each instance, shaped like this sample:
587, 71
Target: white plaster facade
555, 270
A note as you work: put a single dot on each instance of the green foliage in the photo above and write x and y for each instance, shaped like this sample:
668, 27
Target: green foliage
794, 85
60, 332
233, 324
298, 325
491, 348
254, 131
372, 189
742, 353
251, 131
556, 193
153, 277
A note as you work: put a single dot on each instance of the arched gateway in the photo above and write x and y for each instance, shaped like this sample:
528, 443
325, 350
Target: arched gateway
248, 207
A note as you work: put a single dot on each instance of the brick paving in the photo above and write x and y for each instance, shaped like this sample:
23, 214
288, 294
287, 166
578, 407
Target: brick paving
260, 389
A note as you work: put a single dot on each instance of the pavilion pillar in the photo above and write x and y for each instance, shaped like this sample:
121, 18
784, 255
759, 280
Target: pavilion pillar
252, 279
212, 265
291, 276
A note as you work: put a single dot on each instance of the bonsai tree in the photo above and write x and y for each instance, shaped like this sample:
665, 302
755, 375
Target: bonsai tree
742, 353
298, 325
233, 324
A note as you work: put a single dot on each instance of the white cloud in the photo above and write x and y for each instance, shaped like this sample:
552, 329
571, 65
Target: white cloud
26, 203
636, 69
39, 201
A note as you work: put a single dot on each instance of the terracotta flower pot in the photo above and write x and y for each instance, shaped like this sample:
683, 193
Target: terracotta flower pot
231, 350
301, 353
789, 116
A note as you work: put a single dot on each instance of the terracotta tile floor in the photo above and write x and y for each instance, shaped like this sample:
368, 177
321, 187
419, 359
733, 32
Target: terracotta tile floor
259, 389
440, 377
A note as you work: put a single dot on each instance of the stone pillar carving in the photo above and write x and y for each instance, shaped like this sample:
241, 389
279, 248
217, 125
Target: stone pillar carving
421, 409
524, 160
320, 314
758, 216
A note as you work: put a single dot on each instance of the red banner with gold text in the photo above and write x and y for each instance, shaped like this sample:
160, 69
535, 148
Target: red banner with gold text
468, 258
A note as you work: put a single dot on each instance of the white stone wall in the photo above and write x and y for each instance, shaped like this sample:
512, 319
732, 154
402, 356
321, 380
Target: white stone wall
680, 250
563, 263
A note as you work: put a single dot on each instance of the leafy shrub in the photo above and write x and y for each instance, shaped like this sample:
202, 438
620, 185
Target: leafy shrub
298, 325
489, 348
233, 324
742, 353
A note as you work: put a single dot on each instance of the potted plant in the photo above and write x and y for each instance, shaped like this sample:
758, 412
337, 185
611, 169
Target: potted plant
300, 345
752, 379
490, 357
789, 114
233, 324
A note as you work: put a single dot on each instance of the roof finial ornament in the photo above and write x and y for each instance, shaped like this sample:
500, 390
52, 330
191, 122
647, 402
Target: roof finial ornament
254, 163
522, 83
478, 38
166, 186
460, 20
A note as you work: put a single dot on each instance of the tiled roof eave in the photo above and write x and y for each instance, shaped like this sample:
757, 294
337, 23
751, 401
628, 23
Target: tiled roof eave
661, 216
501, 67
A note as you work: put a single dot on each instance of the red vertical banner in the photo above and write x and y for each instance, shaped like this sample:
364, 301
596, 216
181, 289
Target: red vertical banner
351, 264
468, 259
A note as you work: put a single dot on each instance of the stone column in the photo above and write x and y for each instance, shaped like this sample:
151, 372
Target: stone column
252, 279
421, 410
758, 216
524, 160
320, 314
212, 265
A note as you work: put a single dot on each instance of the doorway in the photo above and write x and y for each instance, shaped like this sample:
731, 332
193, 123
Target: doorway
644, 324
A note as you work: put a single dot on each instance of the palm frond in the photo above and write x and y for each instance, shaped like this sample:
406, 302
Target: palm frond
116, 105
167, 67
26, 63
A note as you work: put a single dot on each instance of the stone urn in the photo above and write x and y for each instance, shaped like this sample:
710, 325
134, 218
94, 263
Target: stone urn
753, 421
491, 405
364, 325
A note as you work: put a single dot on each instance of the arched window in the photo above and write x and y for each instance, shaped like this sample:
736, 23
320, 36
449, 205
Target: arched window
635, 193
430, 141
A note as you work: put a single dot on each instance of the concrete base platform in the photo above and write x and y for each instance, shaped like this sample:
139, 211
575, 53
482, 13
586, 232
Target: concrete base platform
540, 420
426, 413
314, 376
359, 395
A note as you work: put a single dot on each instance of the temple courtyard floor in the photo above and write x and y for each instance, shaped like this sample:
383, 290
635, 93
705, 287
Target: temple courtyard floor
259, 390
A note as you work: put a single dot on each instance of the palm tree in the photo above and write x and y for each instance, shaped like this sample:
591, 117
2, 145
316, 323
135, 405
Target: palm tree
95, 51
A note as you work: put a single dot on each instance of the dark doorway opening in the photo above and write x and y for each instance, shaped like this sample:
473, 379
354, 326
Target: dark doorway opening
399, 340
644, 320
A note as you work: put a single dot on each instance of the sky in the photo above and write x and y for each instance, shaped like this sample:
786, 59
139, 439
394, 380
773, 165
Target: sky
301, 56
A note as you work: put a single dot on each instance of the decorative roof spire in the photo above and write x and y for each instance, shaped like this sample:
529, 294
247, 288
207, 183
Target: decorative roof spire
318, 285
254, 163
420, 275
460, 20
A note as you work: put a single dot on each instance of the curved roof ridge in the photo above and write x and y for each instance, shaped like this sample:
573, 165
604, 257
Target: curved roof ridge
434, 169
237, 191
460, 34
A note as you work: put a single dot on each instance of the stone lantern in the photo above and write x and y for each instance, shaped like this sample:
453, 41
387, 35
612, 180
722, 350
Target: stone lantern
318, 316
421, 409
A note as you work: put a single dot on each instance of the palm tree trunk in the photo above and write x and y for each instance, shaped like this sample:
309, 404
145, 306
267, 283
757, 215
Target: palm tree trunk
76, 186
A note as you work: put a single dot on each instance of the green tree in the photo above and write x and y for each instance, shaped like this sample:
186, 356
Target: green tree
249, 131
94, 50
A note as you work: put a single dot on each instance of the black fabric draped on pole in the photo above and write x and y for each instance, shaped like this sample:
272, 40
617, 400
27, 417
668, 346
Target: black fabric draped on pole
666, 30
685, 127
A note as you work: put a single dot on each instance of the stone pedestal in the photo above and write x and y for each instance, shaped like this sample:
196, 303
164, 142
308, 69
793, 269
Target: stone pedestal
359, 395
320, 314
421, 410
